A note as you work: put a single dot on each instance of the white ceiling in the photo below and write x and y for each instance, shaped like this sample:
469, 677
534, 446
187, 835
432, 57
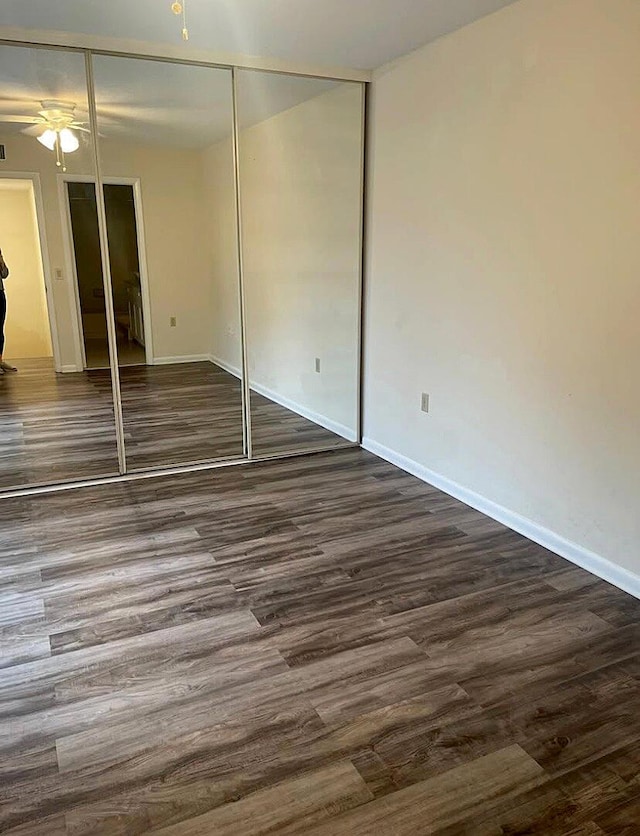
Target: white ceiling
189, 106
360, 34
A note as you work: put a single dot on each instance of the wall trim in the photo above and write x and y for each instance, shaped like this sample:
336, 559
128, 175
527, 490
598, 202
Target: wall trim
71, 367
181, 358
594, 563
333, 426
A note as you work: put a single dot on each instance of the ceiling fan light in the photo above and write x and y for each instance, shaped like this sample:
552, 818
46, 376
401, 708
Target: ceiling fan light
68, 141
48, 139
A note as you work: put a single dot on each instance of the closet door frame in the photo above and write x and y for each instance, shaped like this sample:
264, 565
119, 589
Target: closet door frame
106, 269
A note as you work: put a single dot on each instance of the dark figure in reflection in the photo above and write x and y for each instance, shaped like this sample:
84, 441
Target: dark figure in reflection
4, 272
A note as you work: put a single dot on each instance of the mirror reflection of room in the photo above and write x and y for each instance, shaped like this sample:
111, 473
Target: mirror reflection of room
172, 256
300, 160
125, 273
56, 417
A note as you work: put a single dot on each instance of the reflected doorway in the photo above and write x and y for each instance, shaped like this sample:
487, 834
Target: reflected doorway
127, 273
54, 426
30, 325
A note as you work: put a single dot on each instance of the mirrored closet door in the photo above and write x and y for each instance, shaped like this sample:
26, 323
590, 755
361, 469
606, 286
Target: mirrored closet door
300, 169
209, 222
167, 165
56, 409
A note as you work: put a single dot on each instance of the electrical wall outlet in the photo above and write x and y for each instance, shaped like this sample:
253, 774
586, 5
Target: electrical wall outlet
172, 322
318, 365
424, 402
58, 273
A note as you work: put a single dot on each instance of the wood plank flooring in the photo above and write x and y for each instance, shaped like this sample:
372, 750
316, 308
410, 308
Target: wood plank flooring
96, 350
321, 645
57, 427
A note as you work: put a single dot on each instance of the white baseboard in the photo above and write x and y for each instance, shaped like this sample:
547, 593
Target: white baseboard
181, 358
227, 367
292, 406
580, 556
309, 414
71, 368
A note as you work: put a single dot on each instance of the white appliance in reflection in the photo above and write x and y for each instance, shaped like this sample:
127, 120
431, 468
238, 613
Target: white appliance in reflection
136, 319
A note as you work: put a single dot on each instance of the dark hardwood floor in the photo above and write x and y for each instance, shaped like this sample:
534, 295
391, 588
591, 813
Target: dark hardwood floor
321, 645
60, 427
55, 427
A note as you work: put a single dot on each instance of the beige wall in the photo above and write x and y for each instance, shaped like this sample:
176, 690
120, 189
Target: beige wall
504, 266
172, 196
27, 329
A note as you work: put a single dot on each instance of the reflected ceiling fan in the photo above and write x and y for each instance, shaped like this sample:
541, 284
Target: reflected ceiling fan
54, 127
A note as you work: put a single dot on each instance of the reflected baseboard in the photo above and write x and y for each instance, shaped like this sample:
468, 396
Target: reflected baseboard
333, 426
181, 358
157, 361
322, 421
227, 367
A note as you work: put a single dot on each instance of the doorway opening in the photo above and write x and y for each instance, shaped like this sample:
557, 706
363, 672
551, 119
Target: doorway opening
30, 331
127, 277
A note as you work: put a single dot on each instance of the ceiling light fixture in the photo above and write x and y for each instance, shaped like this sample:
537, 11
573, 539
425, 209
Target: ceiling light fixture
55, 127
68, 141
62, 141
57, 120
48, 139
181, 9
